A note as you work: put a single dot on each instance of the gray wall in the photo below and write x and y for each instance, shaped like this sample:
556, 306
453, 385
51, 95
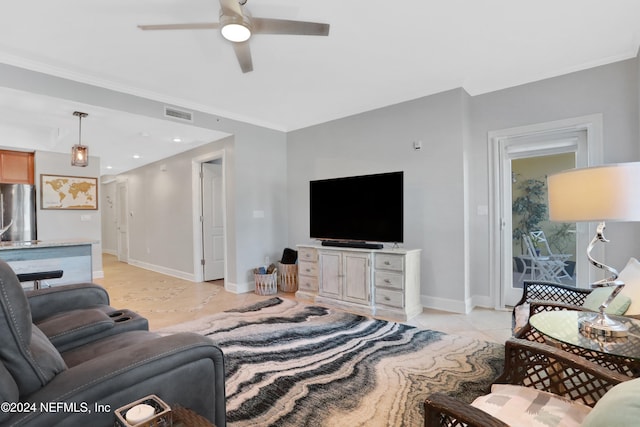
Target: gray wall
445, 182
55, 224
611, 90
109, 218
257, 181
161, 220
448, 180
382, 141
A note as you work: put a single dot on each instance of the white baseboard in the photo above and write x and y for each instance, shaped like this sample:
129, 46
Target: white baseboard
456, 306
482, 301
98, 274
239, 288
445, 304
110, 252
164, 270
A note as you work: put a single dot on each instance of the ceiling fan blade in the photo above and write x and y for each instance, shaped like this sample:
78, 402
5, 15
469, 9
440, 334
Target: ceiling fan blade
284, 26
230, 7
243, 53
196, 26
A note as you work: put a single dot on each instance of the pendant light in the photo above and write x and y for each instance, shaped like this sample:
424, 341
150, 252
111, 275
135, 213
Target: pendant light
79, 152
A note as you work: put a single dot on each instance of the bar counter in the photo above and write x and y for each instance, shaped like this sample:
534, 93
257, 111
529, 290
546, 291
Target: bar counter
72, 256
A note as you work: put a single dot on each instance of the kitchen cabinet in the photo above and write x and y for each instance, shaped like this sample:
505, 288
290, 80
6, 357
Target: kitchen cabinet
16, 167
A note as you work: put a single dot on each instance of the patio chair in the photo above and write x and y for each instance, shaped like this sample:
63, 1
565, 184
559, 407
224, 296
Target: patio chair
542, 267
539, 237
542, 381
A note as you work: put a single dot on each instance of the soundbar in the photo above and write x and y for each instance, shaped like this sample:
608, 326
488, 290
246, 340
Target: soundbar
352, 244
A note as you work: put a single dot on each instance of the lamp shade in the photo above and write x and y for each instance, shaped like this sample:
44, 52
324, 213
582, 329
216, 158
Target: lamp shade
600, 193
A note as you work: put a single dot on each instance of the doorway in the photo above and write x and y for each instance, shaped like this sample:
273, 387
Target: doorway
542, 250
210, 248
212, 220
579, 139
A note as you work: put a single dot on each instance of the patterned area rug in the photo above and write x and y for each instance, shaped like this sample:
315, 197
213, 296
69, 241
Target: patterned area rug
292, 364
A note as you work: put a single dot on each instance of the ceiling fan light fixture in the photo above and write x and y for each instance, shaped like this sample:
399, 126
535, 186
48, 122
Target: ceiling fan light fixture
235, 28
236, 33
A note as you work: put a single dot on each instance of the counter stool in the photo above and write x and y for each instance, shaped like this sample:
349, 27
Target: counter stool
38, 277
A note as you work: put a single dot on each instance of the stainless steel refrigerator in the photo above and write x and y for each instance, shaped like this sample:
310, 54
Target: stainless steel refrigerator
18, 204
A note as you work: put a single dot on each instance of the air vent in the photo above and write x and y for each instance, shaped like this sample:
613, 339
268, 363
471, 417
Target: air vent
174, 113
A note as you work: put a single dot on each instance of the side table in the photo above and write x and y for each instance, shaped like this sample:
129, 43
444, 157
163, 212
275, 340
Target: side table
561, 328
183, 417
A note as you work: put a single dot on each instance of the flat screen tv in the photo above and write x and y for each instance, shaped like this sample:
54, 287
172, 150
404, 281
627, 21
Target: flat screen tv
367, 208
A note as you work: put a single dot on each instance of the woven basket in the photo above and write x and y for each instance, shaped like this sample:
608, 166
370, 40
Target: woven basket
288, 277
266, 284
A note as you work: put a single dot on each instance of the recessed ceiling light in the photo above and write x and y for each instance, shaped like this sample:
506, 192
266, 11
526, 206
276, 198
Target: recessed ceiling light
136, 156
177, 139
109, 167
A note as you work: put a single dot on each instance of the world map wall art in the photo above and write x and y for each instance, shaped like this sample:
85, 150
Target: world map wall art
68, 192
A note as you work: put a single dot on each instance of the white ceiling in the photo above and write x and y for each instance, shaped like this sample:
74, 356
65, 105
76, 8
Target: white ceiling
35, 122
377, 53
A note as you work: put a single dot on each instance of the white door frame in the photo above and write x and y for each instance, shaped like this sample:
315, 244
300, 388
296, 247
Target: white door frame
500, 173
196, 184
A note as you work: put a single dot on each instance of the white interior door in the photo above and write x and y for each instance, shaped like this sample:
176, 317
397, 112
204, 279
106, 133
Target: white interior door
122, 221
212, 220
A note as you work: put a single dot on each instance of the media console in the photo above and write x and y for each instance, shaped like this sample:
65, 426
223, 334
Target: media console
380, 282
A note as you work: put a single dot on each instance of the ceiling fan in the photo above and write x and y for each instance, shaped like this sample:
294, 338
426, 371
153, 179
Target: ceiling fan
237, 25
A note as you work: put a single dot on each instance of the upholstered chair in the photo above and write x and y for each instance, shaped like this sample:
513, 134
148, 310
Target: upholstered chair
183, 369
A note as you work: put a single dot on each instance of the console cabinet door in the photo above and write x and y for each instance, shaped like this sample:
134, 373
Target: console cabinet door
345, 276
356, 277
330, 274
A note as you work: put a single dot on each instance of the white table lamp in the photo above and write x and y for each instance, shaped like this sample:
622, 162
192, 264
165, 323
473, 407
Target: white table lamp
600, 193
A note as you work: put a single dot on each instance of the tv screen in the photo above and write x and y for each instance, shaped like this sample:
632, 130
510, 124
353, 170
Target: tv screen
367, 208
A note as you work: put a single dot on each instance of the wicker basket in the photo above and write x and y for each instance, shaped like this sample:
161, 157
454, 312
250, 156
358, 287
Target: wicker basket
288, 277
266, 284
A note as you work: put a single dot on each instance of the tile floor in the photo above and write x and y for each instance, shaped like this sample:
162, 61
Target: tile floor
166, 300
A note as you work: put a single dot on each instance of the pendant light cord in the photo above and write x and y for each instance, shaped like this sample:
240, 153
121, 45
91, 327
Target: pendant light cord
80, 116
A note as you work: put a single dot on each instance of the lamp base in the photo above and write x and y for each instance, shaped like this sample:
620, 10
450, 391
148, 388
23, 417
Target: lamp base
601, 325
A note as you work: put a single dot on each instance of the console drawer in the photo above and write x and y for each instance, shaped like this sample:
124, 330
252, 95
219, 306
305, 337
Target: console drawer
389, 297
389, 262
388, 279
307, 254
308, 283
307, 268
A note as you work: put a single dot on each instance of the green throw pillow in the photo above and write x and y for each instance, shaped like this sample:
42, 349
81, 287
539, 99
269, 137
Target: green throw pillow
618, 306
619, 407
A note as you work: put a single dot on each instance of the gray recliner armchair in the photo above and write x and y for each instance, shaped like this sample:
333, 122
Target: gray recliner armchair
49, 387
74, 315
